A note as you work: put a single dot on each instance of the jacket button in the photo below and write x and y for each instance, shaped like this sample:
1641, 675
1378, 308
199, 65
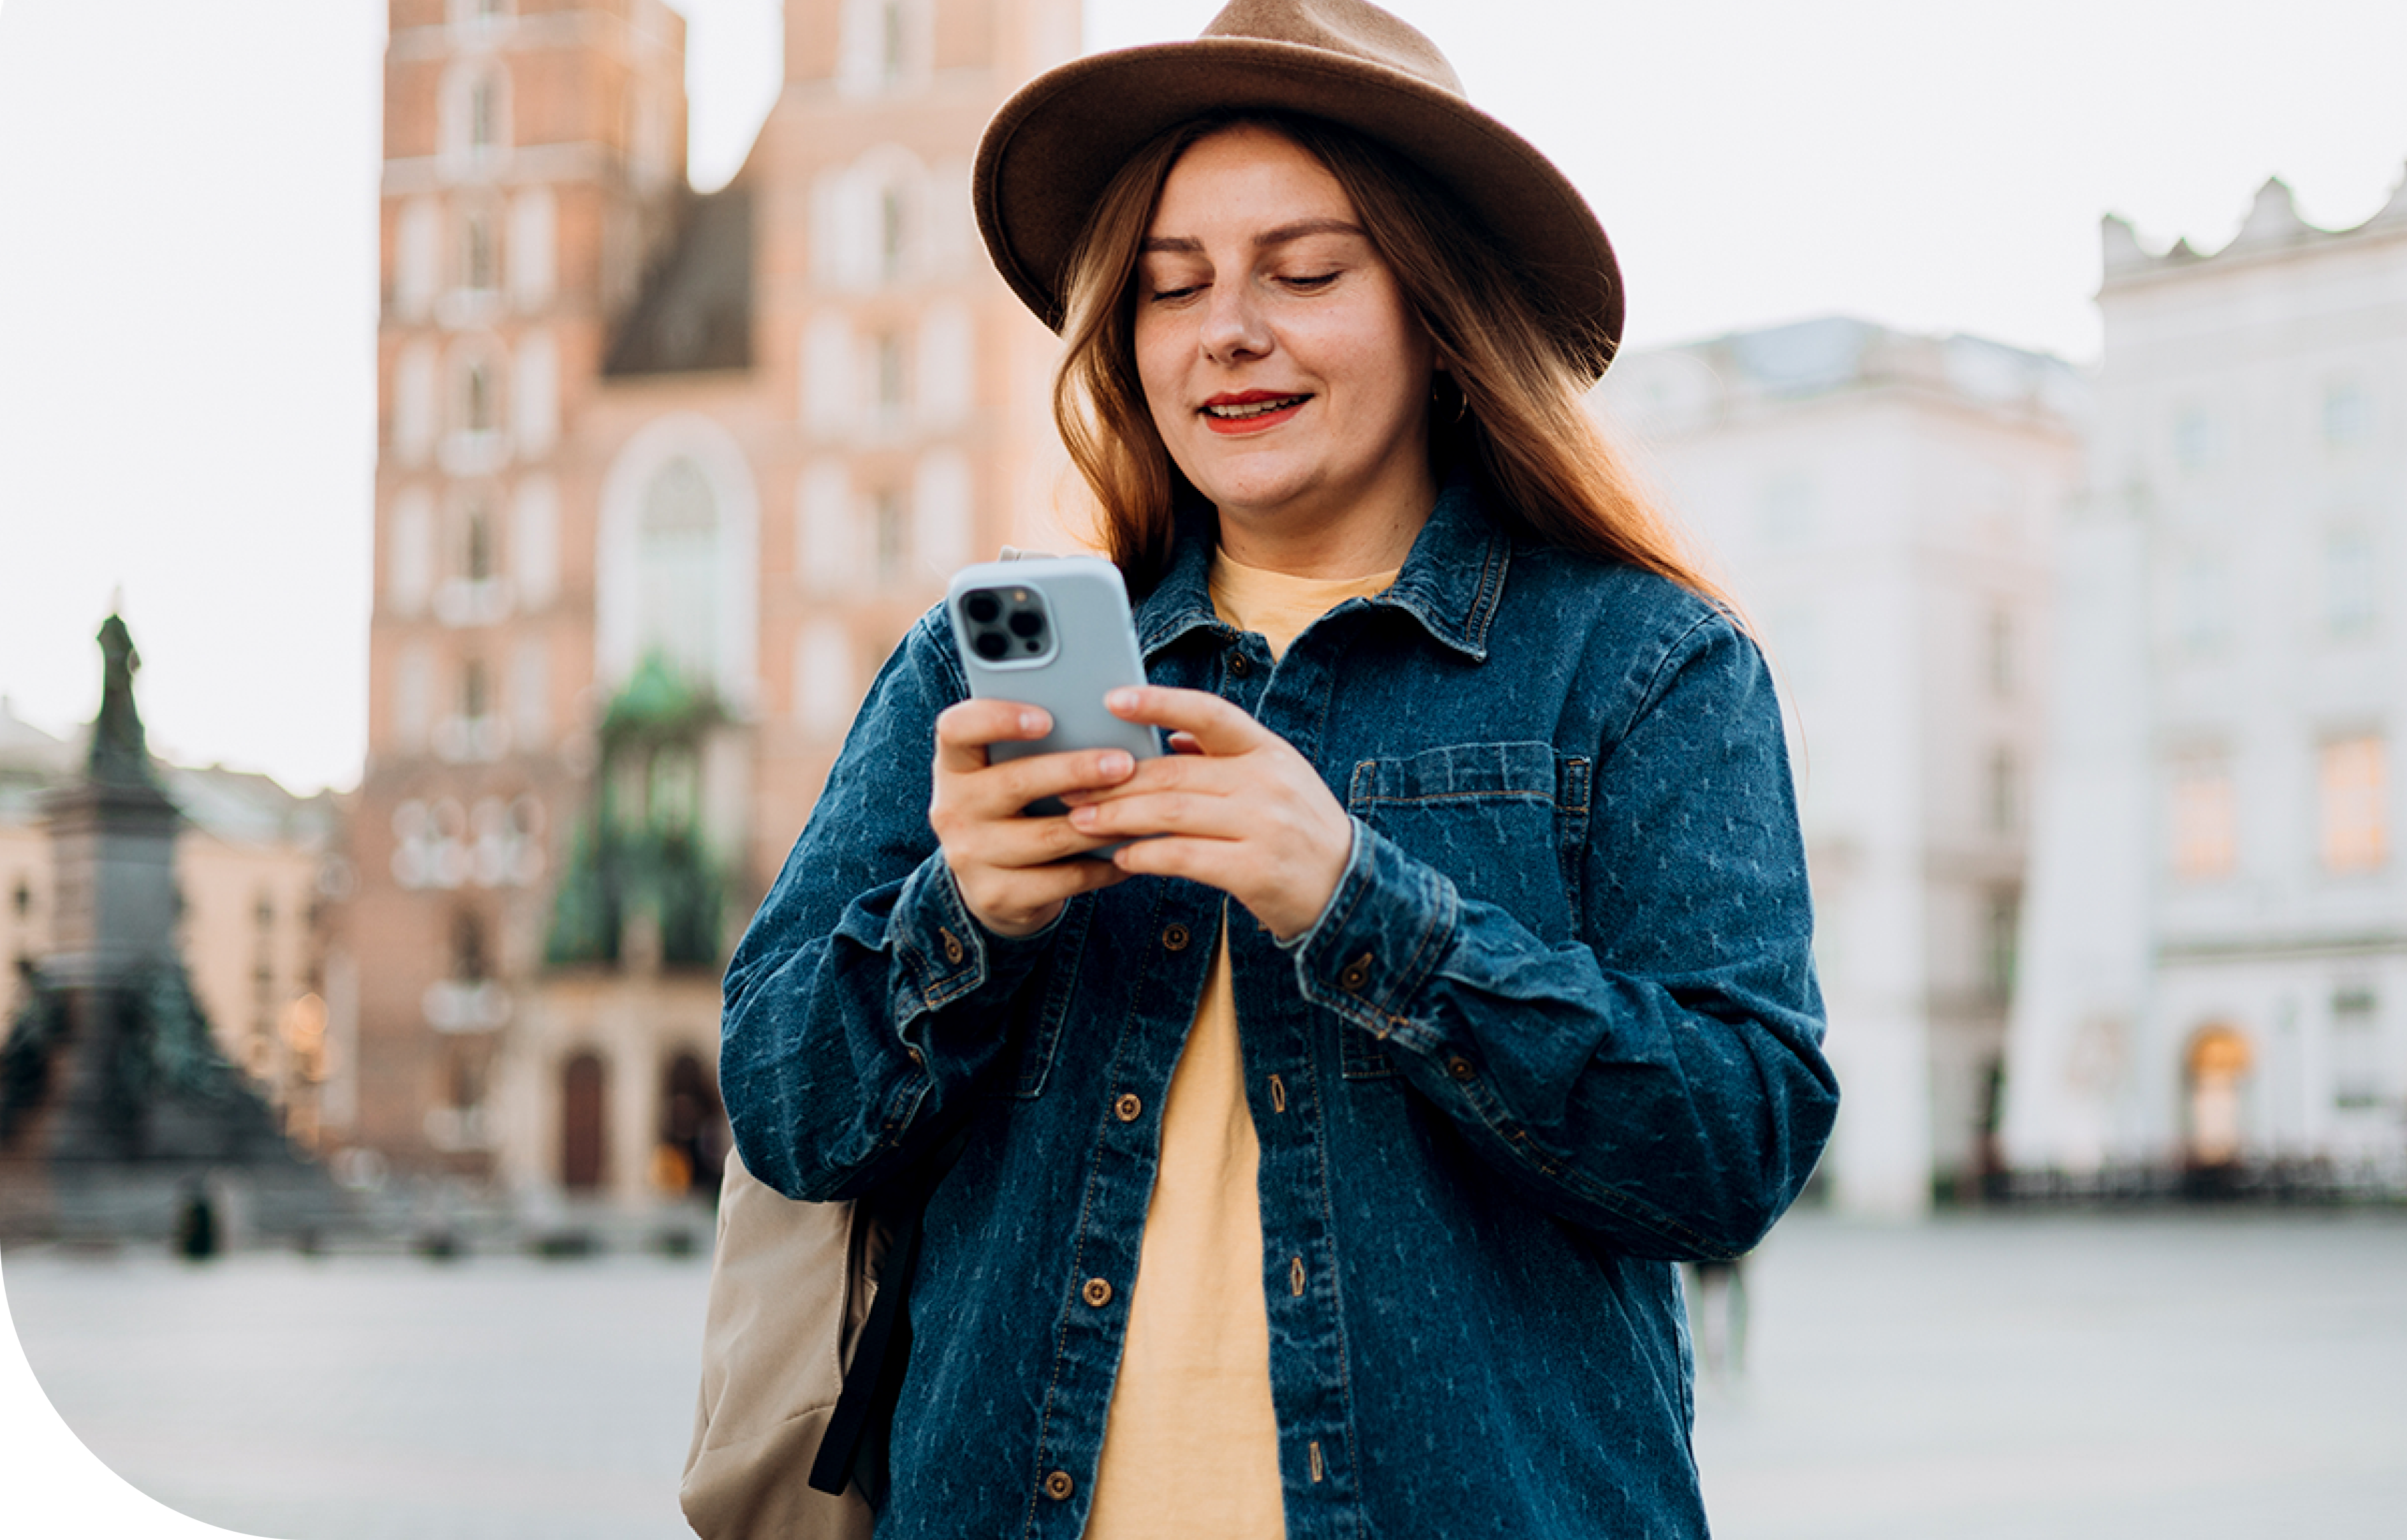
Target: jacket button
1356, 973
952, 945
1459, 1067
1174, 937
1238, 665
1098, 1292
1058, 1486
1129, 1108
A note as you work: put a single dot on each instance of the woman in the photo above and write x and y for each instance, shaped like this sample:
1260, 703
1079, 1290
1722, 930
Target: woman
1332, 1142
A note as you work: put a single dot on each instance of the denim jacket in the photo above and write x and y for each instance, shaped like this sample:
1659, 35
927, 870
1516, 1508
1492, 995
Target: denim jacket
1556, 1029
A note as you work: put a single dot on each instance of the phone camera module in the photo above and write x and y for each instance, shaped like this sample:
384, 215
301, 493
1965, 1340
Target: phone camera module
1002, 622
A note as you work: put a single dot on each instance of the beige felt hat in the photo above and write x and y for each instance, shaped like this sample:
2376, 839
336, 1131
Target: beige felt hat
1054, 147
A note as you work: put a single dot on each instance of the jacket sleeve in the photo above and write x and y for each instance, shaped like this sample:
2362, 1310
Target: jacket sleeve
1659, 1078
864, 1000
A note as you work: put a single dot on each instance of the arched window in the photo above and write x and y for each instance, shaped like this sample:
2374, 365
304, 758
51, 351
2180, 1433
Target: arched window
884, 45
534, 396
870, 220
942, 510
892, 233
693, 1139
481, 266
414, 403
418, 257
2004, 791
944, 368
892, 548
475, 117
824, 696
534, 541
678, 560
479, 403
409, 572
830, 386
484, 115
534, 247
582, 1130
476, 691
827, 543
471, 959
892, 386
476, 542
413, 698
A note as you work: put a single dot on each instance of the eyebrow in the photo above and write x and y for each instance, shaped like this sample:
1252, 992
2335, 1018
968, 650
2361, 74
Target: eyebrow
1268, 239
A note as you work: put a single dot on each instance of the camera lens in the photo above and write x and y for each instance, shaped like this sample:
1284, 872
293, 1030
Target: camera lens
991, 645
982, 606
1026, 623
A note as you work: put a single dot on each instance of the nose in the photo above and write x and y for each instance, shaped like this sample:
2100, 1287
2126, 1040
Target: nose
1233, 327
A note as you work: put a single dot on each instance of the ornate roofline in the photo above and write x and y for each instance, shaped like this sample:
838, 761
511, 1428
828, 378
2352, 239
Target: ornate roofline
2273, 228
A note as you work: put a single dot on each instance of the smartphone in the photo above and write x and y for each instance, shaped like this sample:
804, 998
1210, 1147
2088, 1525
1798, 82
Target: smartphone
1052, 631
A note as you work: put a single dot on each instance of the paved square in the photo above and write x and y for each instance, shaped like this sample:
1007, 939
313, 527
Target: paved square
2208, 1377
2071, 1378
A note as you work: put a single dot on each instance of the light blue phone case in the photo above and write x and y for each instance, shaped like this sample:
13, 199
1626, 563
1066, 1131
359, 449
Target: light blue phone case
1084, 645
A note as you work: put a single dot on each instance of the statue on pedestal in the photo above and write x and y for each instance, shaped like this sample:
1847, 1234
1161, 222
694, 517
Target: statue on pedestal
116, 1105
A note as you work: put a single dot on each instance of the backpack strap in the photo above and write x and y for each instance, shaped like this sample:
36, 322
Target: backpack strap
853, 1448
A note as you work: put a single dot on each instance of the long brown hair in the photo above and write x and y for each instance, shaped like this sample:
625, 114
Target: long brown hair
1509, 401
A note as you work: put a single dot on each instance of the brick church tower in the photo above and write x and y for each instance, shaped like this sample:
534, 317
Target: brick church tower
663, 476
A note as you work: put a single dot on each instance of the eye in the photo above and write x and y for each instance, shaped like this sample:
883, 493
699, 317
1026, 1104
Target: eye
1311, 280
1167, 297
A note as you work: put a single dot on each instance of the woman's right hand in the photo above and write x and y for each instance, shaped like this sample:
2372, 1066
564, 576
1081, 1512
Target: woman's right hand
1014, 870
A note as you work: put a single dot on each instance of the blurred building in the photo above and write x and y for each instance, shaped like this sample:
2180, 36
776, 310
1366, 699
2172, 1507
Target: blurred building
2216, 951
257, 870
1883, 506
663, 476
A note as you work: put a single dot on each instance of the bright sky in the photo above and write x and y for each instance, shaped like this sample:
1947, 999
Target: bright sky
188, 282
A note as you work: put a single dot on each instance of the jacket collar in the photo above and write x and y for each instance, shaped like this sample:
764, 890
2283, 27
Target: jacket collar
1451, 583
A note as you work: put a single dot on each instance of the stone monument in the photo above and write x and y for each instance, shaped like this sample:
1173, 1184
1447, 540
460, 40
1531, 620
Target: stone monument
118, 1113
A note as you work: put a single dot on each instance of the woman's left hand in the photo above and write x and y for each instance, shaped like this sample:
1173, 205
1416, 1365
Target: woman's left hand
1235, 807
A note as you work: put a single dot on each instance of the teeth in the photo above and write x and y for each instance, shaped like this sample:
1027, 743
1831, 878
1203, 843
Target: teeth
1253, 409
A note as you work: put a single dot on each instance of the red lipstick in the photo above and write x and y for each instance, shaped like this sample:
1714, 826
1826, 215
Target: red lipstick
1235, 412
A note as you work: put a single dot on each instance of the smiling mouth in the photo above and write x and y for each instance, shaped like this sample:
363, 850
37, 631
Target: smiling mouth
1241, 411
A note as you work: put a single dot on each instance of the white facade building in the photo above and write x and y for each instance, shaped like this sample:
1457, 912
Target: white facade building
1883, 506
2216, 970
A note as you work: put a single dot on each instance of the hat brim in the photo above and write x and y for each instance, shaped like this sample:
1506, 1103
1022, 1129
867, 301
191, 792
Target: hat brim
1055, 146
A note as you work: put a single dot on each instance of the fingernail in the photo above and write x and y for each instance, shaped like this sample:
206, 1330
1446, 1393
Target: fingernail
1117, 763
1032, 722
1081, 817
1122, 700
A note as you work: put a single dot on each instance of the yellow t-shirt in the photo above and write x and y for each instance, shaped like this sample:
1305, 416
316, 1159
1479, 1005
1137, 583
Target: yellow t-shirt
1190, 1451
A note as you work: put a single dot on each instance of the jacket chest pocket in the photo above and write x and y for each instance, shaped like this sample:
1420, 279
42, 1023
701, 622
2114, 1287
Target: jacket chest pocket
1508, 822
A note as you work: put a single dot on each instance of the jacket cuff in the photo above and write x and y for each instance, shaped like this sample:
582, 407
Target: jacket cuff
1388, 925
947, 956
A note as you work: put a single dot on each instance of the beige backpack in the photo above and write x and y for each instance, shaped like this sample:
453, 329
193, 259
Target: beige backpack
791, 1285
